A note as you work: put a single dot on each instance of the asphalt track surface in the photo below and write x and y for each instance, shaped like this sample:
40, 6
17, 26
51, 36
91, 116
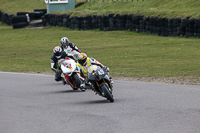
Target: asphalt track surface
35, 103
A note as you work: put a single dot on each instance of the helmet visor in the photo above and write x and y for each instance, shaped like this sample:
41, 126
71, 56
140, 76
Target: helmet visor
57, 54
82, 62
64, 44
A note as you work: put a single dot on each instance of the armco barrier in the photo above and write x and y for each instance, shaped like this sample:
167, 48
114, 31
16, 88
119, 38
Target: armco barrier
151, 25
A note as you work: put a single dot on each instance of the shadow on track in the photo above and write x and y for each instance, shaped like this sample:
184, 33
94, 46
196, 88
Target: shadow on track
92, 102
66, 91
104, 101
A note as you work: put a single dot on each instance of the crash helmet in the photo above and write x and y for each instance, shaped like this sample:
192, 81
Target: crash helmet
57, 51
64, 41
82, 59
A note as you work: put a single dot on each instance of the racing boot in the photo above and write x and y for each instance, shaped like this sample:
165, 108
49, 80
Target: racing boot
83, 86
111, 81
63, 81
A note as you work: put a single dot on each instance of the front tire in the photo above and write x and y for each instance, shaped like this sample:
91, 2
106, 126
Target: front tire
107, 93
76, 80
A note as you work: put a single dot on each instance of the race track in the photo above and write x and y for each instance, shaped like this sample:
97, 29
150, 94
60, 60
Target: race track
35, 103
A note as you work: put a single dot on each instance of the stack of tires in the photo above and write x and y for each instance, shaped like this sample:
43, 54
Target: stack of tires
137, 23
20, 21
5, 18
36, 14
24, 18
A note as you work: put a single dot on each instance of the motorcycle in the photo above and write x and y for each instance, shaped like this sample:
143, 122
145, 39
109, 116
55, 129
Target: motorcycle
74, 53
100, 82
71, 73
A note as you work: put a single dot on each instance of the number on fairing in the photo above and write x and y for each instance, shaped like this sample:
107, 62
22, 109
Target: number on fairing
101, 72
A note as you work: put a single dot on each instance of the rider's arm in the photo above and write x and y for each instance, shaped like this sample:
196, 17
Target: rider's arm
53, 68
53, 64
95, 62
74, 47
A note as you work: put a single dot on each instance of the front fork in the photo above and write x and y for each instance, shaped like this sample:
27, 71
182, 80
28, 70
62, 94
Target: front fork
100, 91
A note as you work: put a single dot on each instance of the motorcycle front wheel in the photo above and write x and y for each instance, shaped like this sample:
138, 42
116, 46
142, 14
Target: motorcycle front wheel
107, 93
76, 79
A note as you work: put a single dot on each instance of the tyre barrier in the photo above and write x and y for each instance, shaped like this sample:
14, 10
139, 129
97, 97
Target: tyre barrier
32, 15
185, 27
5, 18
20, 25
36, 14
19, 18
0, 14
137, 23
42, 11
23, 18
20, 21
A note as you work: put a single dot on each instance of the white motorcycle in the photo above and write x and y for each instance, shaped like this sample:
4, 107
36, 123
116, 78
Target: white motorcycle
72, 73
74, 53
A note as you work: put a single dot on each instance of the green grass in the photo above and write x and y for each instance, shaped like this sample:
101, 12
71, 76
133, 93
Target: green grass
14, 6
124, 52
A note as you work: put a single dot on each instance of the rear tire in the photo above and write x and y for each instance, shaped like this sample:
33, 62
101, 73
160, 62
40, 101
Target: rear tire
105, 89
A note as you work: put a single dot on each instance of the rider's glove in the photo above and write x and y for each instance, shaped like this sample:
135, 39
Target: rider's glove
106, 68
58, 71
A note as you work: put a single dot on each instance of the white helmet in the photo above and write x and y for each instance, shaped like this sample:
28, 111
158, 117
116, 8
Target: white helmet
57, 51
64, 41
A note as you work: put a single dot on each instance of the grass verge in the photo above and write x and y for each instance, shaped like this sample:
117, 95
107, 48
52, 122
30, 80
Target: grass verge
14, 6
124, 52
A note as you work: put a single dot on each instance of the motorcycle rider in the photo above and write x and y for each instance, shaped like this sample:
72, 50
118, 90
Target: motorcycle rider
69, 48
58, 54
85, 62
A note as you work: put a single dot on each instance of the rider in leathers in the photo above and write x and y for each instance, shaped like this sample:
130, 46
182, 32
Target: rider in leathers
69, 48
85, 62
58, 54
